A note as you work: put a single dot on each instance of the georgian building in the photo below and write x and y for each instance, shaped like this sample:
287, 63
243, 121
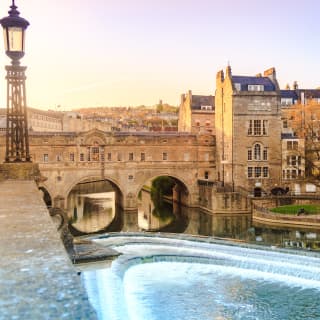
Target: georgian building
196, 114
248, 131
266, 138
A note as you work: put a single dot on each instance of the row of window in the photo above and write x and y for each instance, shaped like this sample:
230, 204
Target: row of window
292, 173
251, 87
206, 108
292, 145
286, 101
258, 172
258, 127
45, 125
293, 160
96, 156
43, 117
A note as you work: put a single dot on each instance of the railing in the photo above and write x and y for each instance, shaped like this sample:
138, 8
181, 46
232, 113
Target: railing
293, 195
267, 215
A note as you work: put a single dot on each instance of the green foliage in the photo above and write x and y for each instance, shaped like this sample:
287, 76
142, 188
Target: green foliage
162, 186
294, 209
163, 210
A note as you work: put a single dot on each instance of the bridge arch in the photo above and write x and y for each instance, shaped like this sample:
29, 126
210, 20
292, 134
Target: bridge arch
94, 178
93, 205
180, 181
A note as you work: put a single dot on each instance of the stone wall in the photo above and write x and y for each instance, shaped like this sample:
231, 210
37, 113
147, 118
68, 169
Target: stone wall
219, 201
19, 171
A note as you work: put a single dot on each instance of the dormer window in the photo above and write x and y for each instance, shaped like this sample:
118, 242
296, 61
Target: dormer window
286, 101
237, 86
255, 87
206, 107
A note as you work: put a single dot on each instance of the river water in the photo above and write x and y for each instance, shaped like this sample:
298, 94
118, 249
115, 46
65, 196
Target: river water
159, 278
92, 209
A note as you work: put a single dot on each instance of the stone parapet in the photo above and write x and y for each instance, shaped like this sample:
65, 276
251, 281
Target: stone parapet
19, 171
266, 217
37, 278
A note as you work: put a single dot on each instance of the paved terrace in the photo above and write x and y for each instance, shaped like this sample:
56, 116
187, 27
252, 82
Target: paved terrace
37, 279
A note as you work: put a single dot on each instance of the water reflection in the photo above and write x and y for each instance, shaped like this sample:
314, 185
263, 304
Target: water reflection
160, 214
92, 211
287, 237
92, 208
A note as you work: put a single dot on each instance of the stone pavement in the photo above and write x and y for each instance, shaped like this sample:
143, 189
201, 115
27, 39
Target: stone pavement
37, 279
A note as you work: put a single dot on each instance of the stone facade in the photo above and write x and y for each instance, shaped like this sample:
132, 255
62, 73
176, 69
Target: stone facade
196, 114
125, 159
53, 121
248, 131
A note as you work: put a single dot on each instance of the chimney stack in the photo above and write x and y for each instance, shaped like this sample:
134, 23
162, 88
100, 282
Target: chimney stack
220, 76
270, 73
228, 72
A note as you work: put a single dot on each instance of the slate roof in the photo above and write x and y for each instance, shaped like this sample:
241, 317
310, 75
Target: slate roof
296, 94
246, 80
198, 101
288, 136
289, 94
310, 93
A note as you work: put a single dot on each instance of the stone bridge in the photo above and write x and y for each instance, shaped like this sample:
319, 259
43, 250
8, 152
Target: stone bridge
126, 160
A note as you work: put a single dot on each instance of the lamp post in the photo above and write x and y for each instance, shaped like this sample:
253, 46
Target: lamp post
17, 139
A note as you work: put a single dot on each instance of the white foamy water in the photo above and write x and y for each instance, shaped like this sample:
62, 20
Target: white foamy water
178, 279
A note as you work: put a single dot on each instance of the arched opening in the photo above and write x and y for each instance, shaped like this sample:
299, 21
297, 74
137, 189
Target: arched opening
46, 197
161, 205
94, 206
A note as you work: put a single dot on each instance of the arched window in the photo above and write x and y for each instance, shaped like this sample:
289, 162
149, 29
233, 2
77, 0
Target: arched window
257, 152
95, 152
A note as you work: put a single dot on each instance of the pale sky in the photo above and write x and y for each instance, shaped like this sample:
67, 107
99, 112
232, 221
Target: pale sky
132, 52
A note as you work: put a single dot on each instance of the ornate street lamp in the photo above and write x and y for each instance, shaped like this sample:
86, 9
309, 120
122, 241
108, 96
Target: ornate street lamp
17, 139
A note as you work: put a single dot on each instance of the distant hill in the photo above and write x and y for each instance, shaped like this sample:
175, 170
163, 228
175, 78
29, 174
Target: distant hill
142, 108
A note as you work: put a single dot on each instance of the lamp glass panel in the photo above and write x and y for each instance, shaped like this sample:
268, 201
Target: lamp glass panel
5, 37
15, 39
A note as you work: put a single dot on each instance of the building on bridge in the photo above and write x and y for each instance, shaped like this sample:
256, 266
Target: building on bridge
127, 160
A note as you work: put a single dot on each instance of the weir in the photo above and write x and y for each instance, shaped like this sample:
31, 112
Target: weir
209, 279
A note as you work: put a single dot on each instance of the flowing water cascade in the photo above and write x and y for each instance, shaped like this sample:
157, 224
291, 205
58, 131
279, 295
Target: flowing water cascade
165, 278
